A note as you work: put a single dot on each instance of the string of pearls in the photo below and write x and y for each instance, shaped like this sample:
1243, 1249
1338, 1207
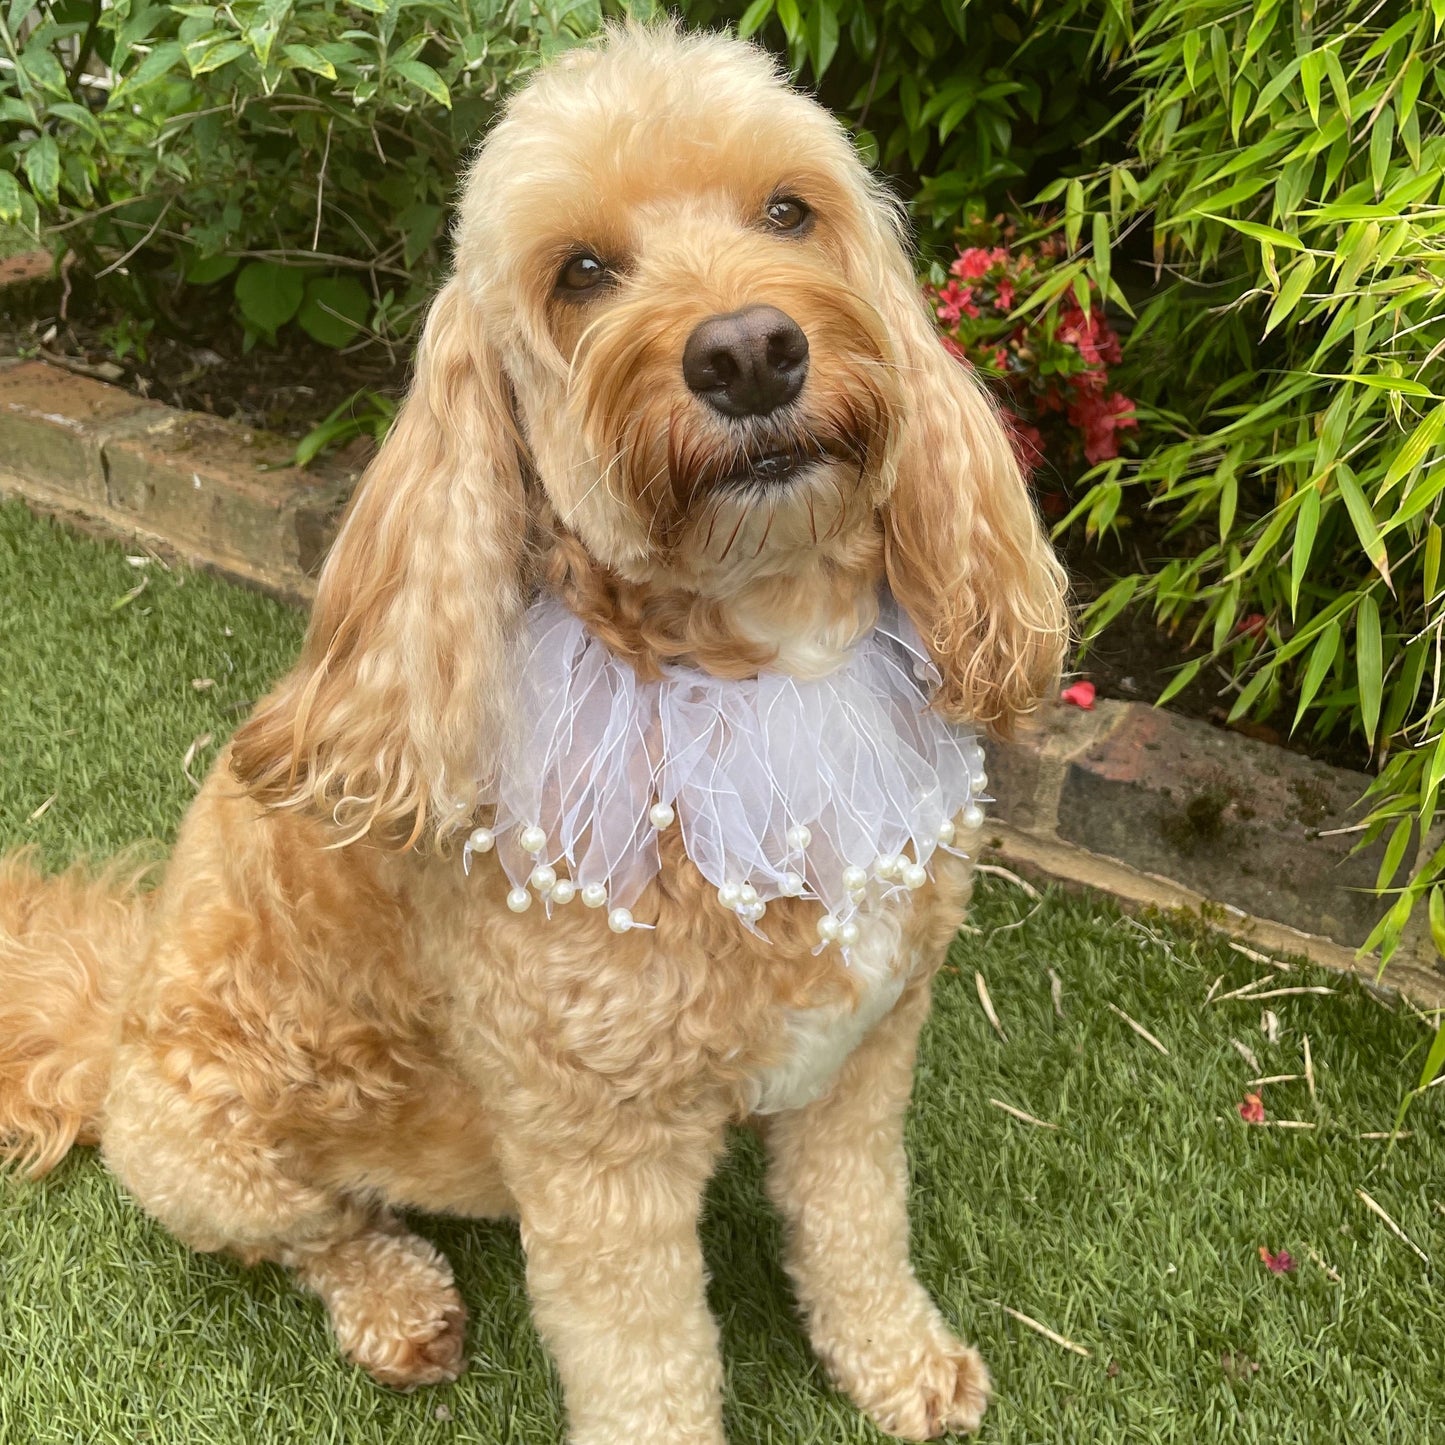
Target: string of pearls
890, 869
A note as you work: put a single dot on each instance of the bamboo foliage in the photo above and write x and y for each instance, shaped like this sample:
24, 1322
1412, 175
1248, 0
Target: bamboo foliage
1289, 159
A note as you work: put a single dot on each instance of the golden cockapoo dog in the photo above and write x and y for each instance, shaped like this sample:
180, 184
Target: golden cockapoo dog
682, 380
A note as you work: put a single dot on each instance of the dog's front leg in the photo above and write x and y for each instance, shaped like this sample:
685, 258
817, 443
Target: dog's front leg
839, 1177
609, 1215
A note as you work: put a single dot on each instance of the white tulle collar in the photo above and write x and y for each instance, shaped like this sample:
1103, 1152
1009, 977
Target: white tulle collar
838, 789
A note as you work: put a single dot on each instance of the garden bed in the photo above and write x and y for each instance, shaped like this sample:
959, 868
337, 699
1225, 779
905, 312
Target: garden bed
288, 388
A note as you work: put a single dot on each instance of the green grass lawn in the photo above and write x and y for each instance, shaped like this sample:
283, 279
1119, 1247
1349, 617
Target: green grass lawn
1133, 1228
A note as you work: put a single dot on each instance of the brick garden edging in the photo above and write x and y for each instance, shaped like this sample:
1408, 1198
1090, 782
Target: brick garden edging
1152, 807
219, 495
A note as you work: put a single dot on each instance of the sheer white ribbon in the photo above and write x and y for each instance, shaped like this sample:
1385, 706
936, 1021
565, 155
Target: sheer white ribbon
837, 789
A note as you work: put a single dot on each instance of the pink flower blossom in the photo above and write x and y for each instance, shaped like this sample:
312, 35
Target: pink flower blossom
1281, 1263
1080, 694
955, 301
972, 264
1100, 417
1005, 295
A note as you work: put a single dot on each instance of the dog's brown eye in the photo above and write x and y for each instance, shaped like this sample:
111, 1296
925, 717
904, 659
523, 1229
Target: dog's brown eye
583, 272
788, 213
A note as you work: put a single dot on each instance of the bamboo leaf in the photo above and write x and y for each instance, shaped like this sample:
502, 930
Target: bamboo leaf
1322, 655
1368, 663
1295, 280
1364, 522
1413, 452
1305, 528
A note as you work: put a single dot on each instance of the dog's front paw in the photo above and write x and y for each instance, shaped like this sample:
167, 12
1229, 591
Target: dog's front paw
919, 1388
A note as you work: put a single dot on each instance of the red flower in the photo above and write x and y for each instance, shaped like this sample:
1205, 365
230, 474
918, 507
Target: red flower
1251, 626
1091, 336
1005, 295
1099, 417
954, 350
1080, 694
973, 264
1280, 1263
955, 301
1252, 1110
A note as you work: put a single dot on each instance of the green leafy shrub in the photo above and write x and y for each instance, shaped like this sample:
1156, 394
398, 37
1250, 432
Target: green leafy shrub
967, 101
1289, 162
301, 153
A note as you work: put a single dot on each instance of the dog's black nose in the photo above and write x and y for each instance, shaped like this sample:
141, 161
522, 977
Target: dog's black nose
747, 363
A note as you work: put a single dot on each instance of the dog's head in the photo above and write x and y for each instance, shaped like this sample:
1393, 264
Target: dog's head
683, 334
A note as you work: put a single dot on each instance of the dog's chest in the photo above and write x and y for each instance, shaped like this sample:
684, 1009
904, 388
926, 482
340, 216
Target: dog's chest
818, 1041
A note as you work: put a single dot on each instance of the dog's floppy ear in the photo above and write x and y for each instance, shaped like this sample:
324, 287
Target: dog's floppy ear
394, 713
966, 555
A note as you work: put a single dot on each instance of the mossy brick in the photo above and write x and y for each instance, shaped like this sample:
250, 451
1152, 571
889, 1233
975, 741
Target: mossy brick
1240, 821
219, 490
53, 425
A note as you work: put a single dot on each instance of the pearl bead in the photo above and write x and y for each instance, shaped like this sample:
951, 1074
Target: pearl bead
973, 816
730, 895
594, 895
543, 879
791, 885
563, 891
519, 900
914, 875
799, 836
483, 840
946, 831
533, 839
620, 920
980, 782
848, 934
660, 815
854, 879
747, 895
887, 865
827, 928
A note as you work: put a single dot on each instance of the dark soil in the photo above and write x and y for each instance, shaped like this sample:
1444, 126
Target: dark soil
199, 363
202, 366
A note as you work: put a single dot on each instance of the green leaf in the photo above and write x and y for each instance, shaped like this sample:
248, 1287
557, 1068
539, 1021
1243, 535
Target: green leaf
204, 58
1382, 140
754, 17
11, 200
207, 269
1394, 853
1322, 656
269, 295
334, 309
307, 57
1413, 452
1306, 525
822, 38
1364, 521
161, 61
425, 79
1074, 213
1311, 73
1295, 280
1338, 83
1435, 1059
1101, 251
1180, 681
42, 168
1265, 234
1368, 664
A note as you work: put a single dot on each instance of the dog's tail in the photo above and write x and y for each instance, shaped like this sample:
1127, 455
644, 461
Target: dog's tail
66, 945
